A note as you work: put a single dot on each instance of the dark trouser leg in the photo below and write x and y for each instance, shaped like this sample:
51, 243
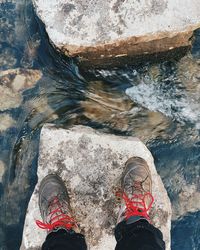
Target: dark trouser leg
139, 235
64, 240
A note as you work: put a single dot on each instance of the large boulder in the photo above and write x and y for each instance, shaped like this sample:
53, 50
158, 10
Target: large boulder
91, 164
112, 32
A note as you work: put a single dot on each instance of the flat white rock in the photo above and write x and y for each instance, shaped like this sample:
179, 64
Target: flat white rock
82, 23
115, 32
91, 164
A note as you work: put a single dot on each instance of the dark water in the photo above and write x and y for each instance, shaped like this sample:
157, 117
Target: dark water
159, 103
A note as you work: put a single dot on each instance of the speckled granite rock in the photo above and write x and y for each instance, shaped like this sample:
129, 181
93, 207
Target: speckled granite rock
91, 164
110, 32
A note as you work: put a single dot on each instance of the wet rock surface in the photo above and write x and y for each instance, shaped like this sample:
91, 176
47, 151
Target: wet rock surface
91, 164
103, 33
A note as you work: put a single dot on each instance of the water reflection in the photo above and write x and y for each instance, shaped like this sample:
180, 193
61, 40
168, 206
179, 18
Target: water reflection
161, 108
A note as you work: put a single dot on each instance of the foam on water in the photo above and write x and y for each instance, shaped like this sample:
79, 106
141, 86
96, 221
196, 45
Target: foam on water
173, 102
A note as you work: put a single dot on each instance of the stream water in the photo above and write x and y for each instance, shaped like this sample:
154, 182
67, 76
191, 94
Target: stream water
157, 102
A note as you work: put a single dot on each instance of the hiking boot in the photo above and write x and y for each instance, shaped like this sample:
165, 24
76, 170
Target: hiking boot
136, 189
54, 205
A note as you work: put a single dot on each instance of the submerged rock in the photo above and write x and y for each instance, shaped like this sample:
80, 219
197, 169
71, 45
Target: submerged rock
91, 165
7, 58
114, 109
189, 74
20, 79
42, 111
104, 105
2, 170
9, 99
6, 121
188, 198
112, 32
13, 82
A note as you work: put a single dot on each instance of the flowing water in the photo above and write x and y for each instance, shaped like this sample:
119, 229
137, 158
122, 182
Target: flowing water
159, 103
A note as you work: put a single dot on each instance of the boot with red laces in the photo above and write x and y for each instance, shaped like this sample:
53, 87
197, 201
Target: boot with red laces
54, 205
136, 189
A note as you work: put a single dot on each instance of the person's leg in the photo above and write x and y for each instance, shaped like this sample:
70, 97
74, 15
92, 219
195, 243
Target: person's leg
134, 230
57, 216
140, 235
64, 240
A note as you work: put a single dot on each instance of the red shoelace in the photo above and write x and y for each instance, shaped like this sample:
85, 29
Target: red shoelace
57, 218
136, 206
